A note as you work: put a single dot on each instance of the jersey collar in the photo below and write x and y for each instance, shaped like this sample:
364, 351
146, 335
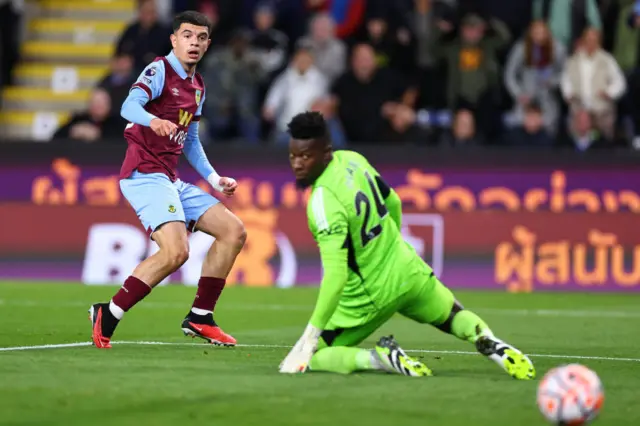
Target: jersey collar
175, 64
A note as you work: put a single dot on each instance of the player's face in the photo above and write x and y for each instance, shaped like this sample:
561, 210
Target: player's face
190, 42
308, 160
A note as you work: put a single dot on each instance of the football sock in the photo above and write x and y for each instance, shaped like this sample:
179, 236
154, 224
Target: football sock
468, 326
343, 360
209, 290
132, 291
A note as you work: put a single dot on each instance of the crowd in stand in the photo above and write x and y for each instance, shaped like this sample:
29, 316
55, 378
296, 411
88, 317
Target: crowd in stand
446, 73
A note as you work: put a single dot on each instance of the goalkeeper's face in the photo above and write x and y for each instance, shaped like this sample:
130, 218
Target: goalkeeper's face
190, 42
308, 160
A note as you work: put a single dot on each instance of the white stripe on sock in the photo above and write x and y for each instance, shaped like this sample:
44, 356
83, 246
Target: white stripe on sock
199, 311
116, 310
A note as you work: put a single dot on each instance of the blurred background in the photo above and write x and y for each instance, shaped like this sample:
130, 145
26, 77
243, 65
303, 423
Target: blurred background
510, 128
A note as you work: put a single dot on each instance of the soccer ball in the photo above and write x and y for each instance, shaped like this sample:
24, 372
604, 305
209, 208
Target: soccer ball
570, 395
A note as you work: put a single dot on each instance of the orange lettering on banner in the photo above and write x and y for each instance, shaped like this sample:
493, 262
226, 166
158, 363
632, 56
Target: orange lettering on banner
554, 266
623, 278
424, 191
586, 198
509, 263
264, 194
631, 200
252, 264
535, 198
505, 196
43, 191
289, 195
455, 195
598, 275
610, 201
102, 191
558, 185
552, 263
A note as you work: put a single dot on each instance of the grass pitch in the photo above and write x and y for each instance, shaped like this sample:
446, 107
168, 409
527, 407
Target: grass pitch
180, 382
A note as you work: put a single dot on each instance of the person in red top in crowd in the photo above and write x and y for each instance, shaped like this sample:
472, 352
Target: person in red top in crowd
163, 109
348, 14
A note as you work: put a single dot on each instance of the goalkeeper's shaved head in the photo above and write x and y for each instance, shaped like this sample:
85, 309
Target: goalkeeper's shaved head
309, 148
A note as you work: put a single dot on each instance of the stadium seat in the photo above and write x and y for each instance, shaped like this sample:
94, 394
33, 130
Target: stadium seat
65, 53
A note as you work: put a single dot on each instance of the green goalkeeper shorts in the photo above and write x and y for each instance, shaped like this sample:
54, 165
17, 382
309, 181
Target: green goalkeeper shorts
428, 301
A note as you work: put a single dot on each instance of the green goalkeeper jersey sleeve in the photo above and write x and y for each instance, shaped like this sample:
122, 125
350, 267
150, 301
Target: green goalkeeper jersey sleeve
361, 248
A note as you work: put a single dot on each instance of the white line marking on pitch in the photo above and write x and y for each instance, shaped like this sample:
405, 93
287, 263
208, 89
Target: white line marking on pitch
147, 343
568, 313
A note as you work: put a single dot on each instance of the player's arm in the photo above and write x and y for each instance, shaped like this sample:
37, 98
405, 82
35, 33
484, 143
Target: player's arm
147, 87
391, 200
328, 223
196, 156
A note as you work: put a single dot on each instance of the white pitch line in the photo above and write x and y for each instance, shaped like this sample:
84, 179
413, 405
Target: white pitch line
444, 352
564, 313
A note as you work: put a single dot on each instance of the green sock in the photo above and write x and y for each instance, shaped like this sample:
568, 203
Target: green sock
342, 360
468, 326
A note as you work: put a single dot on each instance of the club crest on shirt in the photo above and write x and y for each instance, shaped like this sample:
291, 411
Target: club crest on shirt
150, 72
198, 96
172, 208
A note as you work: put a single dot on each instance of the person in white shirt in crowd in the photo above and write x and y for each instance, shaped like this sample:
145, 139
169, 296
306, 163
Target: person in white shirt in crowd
329, 52
295, 90
593, 81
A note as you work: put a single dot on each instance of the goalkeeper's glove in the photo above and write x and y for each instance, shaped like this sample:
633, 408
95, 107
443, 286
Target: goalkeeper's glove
298, 359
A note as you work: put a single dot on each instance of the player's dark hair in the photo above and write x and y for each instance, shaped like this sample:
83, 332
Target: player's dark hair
309, 125
192, 17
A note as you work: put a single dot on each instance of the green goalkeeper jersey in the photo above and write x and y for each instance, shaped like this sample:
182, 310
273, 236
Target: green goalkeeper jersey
355, 219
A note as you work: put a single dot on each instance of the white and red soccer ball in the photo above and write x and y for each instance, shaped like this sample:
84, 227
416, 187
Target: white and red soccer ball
570, 395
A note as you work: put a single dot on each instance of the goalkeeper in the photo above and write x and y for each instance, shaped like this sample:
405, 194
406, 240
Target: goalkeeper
370, 273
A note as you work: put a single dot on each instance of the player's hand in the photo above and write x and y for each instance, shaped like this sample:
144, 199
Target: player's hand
299, 358
226, 185
229, 186
163, 127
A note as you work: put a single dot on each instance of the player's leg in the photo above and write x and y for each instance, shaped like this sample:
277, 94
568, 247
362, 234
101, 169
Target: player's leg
337, 352
206, 214
157, 204
430, 302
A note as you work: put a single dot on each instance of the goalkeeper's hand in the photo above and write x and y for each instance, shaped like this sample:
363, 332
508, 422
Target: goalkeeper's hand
298, 359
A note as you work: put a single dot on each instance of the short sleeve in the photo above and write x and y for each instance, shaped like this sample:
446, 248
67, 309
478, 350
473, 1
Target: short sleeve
327, 218
151, 80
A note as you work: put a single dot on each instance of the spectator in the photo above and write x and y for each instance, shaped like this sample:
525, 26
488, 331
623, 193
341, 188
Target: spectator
626, 49
233, 78
532, 132
145, 39
10, 21
472, 63
269, 44
592, 80
293, 91
430, 22
392, 49
582, 133
119, 80
360, 94
568, 19
223, 14
348, 14
329, 52
533, 72
97, 122
463, 132
427, 23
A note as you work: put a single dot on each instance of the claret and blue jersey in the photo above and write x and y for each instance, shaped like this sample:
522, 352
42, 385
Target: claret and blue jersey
149, 179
